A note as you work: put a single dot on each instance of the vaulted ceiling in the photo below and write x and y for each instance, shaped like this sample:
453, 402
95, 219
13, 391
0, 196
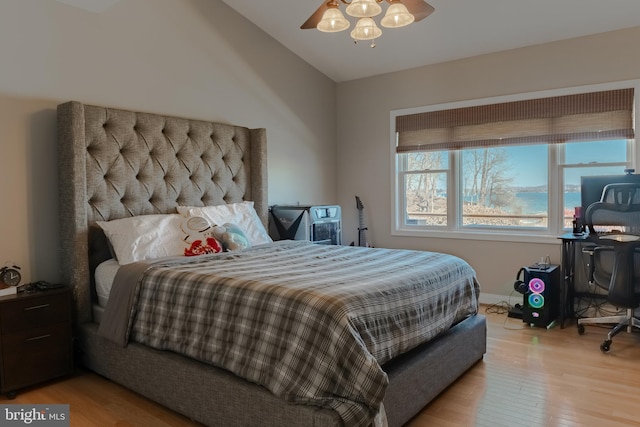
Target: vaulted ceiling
457, 29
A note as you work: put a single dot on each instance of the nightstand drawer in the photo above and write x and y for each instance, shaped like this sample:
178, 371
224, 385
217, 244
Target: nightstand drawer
36, 355
28, 313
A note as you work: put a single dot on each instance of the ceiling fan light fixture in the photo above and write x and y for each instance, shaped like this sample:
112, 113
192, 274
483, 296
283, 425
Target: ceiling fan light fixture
333, 21
366, 29
399, 13
397, 16
364, 8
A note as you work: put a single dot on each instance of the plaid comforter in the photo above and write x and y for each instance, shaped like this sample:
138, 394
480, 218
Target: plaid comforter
311, 323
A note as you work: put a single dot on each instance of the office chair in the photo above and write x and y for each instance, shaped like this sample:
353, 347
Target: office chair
614, 228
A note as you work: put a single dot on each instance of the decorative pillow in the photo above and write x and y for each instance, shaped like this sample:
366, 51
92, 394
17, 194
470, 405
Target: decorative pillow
145, 237
231, 236
241, 214
154, 236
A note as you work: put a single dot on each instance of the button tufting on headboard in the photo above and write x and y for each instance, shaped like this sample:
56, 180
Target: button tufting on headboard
115, 163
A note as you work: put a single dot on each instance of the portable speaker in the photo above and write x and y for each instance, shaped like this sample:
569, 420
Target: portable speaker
542, 295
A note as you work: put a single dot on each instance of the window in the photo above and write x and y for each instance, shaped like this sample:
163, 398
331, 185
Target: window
588, 159
425, 187
506, 168
502, 186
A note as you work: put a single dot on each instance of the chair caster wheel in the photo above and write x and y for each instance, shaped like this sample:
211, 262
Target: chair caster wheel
581, 329
605, 346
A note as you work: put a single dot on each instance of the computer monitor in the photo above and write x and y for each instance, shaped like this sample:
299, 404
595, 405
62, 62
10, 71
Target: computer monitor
591, 187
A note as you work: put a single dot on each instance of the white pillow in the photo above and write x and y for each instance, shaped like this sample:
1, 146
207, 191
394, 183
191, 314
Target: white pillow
145, 237
241, 214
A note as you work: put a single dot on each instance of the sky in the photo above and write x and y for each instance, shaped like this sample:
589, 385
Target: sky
525, 171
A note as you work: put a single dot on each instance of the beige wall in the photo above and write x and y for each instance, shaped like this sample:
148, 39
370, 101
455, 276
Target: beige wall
363, 134
200, 59
191, 58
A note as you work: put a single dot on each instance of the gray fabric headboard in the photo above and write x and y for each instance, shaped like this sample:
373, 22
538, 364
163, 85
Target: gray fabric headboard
115, 163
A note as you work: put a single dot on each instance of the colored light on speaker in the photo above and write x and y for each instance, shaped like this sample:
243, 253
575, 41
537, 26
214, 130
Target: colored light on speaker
536, 301
536, 285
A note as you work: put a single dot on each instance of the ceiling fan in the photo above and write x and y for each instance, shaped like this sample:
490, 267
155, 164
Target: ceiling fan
328, 17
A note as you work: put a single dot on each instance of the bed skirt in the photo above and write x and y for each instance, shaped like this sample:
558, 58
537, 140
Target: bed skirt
216, 397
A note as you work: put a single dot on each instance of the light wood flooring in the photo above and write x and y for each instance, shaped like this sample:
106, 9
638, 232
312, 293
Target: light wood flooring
529, 377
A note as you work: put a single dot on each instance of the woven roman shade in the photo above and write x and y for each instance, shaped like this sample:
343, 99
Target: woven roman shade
580, 117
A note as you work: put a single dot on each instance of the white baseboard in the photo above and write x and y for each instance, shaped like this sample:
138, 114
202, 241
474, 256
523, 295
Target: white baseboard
489, 299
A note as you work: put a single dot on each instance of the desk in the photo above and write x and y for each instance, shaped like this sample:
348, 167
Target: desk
568, 291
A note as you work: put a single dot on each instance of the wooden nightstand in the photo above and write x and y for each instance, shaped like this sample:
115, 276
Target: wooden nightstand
35, 338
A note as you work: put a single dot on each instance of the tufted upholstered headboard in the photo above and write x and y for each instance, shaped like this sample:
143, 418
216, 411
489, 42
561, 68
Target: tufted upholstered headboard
115, 163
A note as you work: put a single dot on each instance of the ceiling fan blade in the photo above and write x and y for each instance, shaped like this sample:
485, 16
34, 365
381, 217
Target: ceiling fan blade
418, 8
313, 20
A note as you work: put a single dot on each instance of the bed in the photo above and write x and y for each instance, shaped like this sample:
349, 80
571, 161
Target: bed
116, 164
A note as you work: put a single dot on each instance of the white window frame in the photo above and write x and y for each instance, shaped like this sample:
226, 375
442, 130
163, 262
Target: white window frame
555, 179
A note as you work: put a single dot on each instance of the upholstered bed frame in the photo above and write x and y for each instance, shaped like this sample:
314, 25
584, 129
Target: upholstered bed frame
115, 163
